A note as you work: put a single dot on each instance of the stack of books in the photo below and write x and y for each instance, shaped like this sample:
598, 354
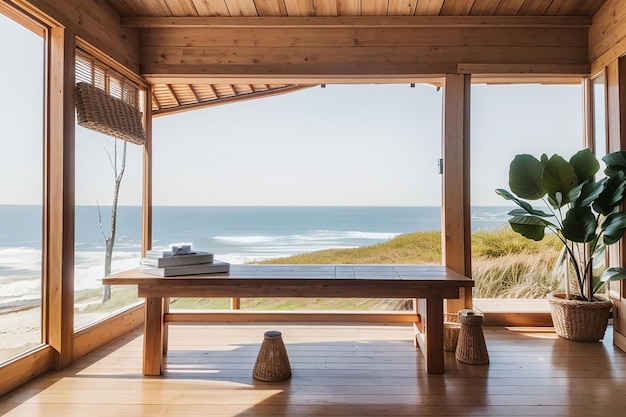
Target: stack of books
174, 263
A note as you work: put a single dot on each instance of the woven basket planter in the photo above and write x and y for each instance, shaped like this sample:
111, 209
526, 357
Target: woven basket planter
451, 329
582, 321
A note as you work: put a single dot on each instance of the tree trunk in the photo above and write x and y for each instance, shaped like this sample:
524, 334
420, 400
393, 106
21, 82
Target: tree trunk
110, 240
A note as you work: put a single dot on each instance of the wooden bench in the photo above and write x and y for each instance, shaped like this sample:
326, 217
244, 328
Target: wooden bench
430, 283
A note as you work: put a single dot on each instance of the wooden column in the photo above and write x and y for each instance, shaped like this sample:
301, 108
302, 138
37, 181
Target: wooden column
616, 130
146, 226
455, 227
58, 250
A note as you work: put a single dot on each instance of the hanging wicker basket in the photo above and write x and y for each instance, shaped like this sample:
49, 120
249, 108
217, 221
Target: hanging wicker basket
103, 113
582, 321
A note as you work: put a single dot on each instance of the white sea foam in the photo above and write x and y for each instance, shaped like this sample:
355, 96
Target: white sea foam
24, 260
246, 240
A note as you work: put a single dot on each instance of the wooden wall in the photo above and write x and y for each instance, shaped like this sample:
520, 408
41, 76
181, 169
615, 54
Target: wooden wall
607, 35
607, 45
349, 47
93, 21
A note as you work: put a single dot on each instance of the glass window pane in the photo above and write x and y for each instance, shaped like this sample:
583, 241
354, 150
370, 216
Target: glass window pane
509, 120
21, 188
99, 161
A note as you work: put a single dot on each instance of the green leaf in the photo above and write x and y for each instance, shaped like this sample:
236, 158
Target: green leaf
585, 165
614, 273
531, 227
580, 225
508, 196
615, 161
587, 193
614, 226
523, 212
525, 177
559, 179
612, 194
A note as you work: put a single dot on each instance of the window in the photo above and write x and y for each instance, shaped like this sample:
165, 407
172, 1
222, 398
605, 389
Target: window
21, 188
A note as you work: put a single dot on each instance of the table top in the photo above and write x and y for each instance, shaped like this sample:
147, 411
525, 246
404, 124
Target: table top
303, 273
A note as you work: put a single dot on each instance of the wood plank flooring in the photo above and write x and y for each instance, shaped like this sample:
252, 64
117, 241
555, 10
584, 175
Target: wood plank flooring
337, 371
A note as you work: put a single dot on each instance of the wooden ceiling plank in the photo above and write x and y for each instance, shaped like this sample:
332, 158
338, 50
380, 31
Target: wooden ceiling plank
508, 7
128, 7
401, 7
591, 7
361, 21
456, 7
211, 7
301, 8
171, 90
428, 7
156, 8
181, 7
271, 7
223, 101
534, 7
348, 7
560, 7
373, 7
193, 91
484, 7
325, 7
241, 7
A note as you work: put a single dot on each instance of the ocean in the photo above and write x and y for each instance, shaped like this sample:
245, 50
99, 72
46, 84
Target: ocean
233, 234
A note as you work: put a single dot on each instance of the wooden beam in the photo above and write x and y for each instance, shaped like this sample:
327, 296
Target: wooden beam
358, 21
240, 316
226, 78
58, 251
146, 217
362, 51
456, 221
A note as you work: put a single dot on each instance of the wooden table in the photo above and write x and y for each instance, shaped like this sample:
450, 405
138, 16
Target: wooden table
429, 282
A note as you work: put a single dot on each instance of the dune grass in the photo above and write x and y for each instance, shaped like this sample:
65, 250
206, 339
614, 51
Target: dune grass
504, 264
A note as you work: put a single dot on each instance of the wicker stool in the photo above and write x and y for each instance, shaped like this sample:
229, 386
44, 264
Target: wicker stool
471, 347
272, 363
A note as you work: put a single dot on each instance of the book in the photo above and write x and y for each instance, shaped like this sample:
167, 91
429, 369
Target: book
172, 271
162, 259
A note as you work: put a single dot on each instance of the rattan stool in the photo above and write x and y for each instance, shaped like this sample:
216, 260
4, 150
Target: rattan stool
471, 347
272, 362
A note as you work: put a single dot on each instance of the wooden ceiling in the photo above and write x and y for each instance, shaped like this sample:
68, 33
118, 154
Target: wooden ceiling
171, 96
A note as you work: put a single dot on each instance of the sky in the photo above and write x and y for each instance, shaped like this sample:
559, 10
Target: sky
339, 145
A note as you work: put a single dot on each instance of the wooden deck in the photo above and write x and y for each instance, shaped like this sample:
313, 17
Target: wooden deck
337, 371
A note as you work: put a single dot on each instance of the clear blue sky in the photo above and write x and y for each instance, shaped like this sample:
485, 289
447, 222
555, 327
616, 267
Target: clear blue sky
342, 145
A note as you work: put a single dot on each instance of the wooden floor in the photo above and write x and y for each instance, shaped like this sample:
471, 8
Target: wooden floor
337, 371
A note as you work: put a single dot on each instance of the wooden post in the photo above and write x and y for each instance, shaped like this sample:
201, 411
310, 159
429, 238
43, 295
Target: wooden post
58, 250
456, 227
146, 226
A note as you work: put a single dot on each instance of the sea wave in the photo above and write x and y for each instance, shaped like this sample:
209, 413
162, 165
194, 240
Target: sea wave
327, 236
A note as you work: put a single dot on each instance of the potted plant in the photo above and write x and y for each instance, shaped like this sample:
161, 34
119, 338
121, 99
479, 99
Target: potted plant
585, 213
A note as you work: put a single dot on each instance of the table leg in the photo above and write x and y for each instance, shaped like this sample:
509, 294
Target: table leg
166, 326
434, 336
153, 337
429, 334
